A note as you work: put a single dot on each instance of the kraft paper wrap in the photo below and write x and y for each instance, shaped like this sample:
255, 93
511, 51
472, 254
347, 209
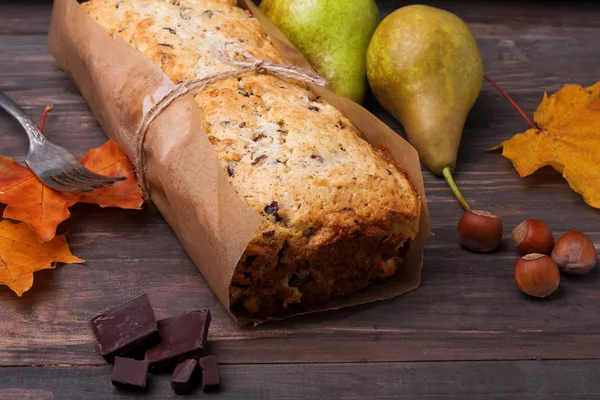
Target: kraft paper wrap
183, 175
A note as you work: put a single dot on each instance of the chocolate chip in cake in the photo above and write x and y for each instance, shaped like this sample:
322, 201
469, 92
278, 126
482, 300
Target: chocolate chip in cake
389, 172
308, 232
272, 208
347, 209
230, 170
312, 108
293, 281
316, 157
268, 234
243, 92
258, 159
340, 124
243, 124
277, 217
208, 13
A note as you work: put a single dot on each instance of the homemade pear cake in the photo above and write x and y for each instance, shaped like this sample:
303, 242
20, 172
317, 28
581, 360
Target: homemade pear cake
338, 213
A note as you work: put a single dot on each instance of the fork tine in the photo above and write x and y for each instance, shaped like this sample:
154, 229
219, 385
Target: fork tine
54, 184
63, 180
91, 175
79, 179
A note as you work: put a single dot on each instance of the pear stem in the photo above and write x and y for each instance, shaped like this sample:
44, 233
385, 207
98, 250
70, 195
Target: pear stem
461, 200
494, 84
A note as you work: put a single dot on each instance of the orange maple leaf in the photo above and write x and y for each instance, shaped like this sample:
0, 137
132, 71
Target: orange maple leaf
21, 255
568, 140
43, 208
110, 160
30, 201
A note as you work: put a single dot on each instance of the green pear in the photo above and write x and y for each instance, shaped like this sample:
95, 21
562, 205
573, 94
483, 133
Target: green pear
424, 67
333, 35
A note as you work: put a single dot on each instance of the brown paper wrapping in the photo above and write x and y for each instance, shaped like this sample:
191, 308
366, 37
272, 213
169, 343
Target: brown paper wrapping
183, 174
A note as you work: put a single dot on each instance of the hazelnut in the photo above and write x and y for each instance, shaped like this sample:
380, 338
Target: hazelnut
480, 231
574, 253
537, 275
533, 236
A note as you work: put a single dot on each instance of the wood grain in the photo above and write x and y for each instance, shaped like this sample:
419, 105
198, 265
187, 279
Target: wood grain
428, 381
467, 308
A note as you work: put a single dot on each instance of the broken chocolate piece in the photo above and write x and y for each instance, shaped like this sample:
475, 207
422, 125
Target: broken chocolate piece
184, 336
210, 373
129, 373
185, 376
126, 329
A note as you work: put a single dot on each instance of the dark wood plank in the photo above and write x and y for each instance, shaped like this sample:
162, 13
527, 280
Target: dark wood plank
25, 17
452, 381
467, 307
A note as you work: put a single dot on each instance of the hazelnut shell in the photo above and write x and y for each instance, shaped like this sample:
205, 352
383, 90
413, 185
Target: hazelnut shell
537, 275
480, 231
574, 253
533, 236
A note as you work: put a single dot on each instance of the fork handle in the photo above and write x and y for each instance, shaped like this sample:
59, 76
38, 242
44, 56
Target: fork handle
34, 134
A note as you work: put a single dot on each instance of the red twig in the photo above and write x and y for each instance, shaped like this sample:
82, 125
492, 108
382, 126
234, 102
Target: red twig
494, 84
48, 108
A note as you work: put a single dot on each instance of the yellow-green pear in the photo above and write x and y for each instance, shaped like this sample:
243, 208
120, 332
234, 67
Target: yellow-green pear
333, 35
424, 67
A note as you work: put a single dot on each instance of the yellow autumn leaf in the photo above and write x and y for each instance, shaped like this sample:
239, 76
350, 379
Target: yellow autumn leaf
568, 140
21, 254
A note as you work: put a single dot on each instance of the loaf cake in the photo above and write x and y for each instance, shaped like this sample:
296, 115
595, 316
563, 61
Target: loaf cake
338, 214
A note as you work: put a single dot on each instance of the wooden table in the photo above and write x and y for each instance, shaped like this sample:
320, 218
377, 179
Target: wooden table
466, 333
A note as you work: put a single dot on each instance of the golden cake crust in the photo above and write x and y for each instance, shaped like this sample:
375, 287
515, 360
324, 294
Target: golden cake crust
337, 212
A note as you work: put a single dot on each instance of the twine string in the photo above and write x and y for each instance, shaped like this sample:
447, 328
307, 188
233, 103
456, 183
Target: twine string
247, 64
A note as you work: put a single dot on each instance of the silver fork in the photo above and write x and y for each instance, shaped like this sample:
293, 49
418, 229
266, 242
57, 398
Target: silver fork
52, 164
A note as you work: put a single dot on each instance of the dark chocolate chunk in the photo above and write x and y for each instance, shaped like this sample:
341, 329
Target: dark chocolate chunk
126, 329
340, 124
316, 157
272, 208
129, 373
210, 373
184, 336
313, 108
185, 376
268, 234
242, 124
